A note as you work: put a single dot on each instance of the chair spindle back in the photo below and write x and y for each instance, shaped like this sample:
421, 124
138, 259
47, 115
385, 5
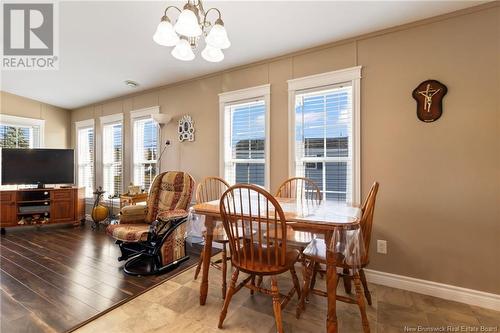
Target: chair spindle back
210, 189
248, 212
366, 223
300, 188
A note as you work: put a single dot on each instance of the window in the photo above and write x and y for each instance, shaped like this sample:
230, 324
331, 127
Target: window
18, 132
112, 157
145, 152
245, 143
85, 156
324, 146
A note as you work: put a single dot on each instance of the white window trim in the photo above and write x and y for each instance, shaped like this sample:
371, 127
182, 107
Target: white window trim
138, 114
89, 123
146, 112
231, 97
352, 75
112, 119
24, 121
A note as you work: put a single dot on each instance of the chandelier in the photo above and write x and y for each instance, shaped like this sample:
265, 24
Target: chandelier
187, 31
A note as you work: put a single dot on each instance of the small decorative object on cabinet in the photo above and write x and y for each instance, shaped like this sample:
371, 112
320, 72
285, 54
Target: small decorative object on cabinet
133, 190
186, 128
99, 211
429, 96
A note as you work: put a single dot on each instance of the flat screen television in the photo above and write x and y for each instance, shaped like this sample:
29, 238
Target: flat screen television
37, 166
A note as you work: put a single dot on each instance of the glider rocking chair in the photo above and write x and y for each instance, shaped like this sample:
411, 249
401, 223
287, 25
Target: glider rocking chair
152, 237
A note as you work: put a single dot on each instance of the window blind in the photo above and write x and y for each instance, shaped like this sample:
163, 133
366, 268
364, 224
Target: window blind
323, 139
13, 136
85, 153
112, 157
145, 152
245, 142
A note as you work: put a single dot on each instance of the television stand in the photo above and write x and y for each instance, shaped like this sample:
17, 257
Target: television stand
37, 206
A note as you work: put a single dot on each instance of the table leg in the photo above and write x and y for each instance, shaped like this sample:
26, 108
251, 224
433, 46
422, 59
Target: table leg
331, 285
207, 255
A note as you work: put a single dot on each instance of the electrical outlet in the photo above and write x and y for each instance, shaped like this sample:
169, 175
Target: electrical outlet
381, 246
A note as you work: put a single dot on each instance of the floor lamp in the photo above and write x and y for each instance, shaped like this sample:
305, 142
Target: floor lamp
161, 119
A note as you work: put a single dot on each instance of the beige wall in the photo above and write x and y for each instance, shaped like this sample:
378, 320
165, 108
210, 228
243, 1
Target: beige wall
438, 206
57, 120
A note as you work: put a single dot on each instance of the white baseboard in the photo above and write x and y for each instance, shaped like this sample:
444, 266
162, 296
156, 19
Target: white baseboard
441, 290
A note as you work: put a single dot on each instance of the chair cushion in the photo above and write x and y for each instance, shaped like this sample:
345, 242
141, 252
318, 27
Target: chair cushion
129, 232
167, 215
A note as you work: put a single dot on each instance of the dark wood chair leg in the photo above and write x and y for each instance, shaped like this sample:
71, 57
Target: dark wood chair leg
347, 281
224, 270
252, 282
365, 286
229, 295
276, 304
200, 263
314, 274
259, 281
361, 303
308, 271
296, 283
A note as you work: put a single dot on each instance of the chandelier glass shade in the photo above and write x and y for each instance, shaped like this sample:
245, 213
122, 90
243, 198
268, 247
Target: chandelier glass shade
183, 51
192, 25
165, 34
212, 54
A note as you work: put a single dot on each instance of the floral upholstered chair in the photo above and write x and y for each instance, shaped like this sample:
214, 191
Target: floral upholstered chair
154, 234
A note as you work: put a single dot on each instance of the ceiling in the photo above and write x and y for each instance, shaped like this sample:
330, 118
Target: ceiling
102, 44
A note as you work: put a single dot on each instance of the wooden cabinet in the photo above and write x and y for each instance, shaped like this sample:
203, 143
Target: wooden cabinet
8, 209
62, 206
42, 206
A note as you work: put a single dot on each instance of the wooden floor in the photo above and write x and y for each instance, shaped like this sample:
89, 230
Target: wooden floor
52, 279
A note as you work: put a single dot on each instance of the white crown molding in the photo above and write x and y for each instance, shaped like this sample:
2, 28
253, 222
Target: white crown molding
247, 93
325, 79
441, 290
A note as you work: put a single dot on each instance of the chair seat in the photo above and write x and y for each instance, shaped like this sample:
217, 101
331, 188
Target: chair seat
265, 268
316, 250
129, 232
220, 236
292, 236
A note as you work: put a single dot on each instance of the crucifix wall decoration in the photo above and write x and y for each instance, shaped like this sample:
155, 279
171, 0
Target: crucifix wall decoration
429, 96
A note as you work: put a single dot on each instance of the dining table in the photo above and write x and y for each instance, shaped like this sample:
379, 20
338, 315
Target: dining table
325, 218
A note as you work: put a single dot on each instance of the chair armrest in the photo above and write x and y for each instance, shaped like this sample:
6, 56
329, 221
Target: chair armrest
133, 214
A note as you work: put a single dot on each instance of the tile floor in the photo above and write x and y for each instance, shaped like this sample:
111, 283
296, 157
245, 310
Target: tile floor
173, 307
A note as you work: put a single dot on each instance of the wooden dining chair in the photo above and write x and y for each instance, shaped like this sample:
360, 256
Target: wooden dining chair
210, 189
300, 188
315, 253
304, 189
245, 208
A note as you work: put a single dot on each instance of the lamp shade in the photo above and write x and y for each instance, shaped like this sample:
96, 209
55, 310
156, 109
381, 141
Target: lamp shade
161, 118
183, 51
187, 24
217, 37
212, 54
165, 34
